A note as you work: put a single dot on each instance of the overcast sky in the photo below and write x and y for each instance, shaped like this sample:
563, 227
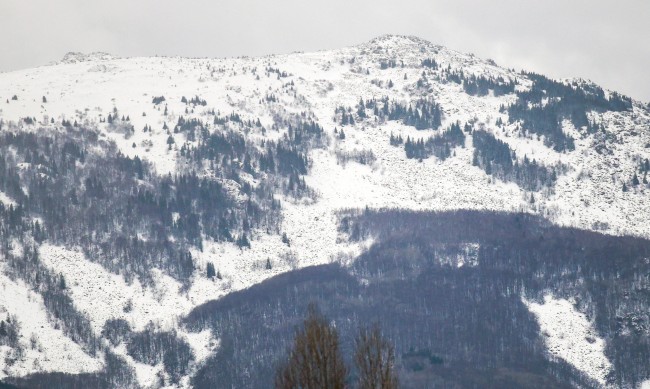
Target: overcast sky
602, 40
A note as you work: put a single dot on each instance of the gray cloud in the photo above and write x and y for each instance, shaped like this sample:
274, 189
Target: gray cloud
600, 40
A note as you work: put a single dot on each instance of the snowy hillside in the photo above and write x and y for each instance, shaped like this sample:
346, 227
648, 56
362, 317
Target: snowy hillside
162, 110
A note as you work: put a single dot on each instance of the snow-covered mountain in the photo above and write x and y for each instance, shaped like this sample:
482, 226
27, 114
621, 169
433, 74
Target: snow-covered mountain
227, 172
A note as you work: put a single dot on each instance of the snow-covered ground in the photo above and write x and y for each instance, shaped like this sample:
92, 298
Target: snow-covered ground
587, 196
569, 335
102, 295
6, 200
45, 348
87, 89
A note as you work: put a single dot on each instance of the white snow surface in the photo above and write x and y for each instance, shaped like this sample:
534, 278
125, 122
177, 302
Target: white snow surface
6, 200
146, 375
102, 295
85, 88
53, 350
569, 335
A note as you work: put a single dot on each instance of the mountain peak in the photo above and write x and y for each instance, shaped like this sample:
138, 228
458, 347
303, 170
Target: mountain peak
76, 57
396, 40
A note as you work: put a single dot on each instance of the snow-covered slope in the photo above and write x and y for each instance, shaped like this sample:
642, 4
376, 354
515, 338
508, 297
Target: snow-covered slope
87, 88
587, 195
570, 336
44, 348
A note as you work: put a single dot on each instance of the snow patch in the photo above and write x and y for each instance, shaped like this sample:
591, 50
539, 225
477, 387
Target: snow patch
569, 335
467, 256
6, 200
102, 295
203, 344
52, 350
146, 375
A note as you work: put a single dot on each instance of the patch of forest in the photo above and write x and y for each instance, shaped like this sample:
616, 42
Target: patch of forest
464, 326
423, 113
496, 158
130, 220
542, 109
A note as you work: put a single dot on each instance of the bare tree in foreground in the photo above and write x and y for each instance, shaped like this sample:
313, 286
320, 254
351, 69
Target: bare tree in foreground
315, 361
375, 359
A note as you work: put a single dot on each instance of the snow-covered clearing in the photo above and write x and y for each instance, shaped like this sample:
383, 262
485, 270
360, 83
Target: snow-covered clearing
569, 335
52, 351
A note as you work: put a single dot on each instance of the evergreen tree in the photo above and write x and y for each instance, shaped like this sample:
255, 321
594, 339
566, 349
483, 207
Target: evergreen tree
210, 270
285, 239
475, 158
243, 241
361, 109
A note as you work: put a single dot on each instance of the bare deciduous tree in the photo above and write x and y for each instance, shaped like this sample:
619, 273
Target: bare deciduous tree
315, 362
375, 359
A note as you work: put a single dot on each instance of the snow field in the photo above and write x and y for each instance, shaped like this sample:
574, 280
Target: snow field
570, 336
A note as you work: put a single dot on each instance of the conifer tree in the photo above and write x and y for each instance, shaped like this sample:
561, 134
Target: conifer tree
210, 270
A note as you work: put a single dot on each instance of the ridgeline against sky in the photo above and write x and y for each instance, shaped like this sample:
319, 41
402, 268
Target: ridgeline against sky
598, 40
